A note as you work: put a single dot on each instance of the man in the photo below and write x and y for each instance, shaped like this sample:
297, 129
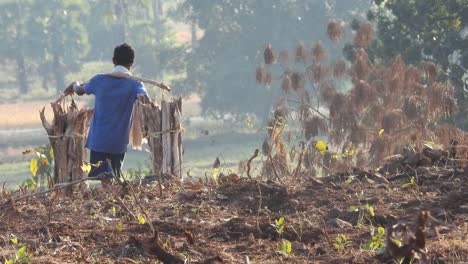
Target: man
108, 135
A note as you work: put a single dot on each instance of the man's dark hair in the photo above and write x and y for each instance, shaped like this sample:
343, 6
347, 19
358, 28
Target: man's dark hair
124, 55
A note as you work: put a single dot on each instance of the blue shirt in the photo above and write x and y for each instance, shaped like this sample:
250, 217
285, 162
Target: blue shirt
113, 111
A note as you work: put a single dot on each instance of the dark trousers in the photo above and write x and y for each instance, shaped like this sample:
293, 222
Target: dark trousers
111, 165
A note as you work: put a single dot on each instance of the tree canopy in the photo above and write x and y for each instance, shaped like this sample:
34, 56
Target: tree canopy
434, 31
222, 64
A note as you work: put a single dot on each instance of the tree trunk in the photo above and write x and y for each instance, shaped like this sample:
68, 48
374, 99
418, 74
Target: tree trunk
21, 73
193, 31
158, 35
67, 138
122, 15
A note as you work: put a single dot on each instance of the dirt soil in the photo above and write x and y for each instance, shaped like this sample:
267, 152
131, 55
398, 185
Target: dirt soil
228, 222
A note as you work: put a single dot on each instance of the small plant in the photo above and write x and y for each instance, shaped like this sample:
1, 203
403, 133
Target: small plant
21, 256
286, 246
408, 184
279, 226
40, 166
341, 242
365, 212
378, 241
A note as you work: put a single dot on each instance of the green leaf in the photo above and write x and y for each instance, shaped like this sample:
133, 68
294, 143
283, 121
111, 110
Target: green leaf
249, 122
280, 221
370, 210
397, 242
381, 131
119, 227
141, 219
216, 173
408, 184
33, 166
51, 153
339, 239
321, 146
20, 252
86, 167
14, 240
9, 261
380, 230
281, 229
26, 260
286, 246
336, 245
31, 184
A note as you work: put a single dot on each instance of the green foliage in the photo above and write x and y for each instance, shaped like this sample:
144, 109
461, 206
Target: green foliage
286, 246
216, 173
56, 37
279, 225
341, 242
40, 166
408, 184
21, 256
378, 240
426, 30
141, 219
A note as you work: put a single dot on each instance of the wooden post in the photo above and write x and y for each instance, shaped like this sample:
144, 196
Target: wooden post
162, 128
67, 138
151, 127
176, 136
166, 138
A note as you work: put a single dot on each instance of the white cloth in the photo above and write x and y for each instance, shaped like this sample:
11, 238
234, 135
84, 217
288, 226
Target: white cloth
121, 69
136, 135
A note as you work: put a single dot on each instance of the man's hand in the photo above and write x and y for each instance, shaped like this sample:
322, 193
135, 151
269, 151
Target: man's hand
69, 90
74, 87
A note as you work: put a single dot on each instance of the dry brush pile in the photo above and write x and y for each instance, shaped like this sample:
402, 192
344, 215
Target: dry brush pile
359, 112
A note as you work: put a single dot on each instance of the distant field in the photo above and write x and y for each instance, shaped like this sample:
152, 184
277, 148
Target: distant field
25, 114
20, 115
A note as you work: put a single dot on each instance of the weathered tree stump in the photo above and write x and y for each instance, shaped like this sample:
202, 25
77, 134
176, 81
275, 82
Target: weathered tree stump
67, 136
162, 128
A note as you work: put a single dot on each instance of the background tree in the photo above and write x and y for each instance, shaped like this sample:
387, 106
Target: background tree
220, 66
434, 31
16, 41
61, 40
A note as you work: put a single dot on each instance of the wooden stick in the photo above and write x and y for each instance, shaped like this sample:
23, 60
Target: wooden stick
250, 161
58, 186
274, 168
143, 80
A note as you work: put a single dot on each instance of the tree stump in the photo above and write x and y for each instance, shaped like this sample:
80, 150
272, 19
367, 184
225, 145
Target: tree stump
162, 128
67, 136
